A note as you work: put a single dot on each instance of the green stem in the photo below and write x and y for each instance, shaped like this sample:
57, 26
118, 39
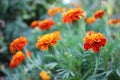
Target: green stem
56, 51
68, 27
107, 29
81, 25
86, 74
97, 62
31, 60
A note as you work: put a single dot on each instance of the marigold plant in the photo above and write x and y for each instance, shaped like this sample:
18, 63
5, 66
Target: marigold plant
46, 24
72, 15
94, 41
17, 59
48, 40
99, 14
44, 75
18, 44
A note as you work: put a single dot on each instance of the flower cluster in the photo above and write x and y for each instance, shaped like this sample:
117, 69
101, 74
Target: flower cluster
94, 41
43, 25
73, 15
18, 44
17, 59
97, 15
53, 11
44, 75
48, 40
114, 21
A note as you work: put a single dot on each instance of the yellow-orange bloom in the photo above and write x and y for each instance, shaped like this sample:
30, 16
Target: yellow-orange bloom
53, 11
18, 44
99, 14
90, 20
48, 40
73, 15
94, 41
114, 21
44, 75
17, 59
35, 24
46, 24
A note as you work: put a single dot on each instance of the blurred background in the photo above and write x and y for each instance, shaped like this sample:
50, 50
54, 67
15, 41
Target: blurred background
17, 15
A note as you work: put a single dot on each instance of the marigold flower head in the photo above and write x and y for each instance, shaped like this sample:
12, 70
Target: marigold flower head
18, 44
73, 15
46, 24
90, 20
17, 59
35, 24
53, 11
99, 14
44, 75
94, 41
114, 21
48, 40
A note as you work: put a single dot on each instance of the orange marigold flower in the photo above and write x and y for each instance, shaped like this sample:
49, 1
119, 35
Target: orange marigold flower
44, 75
18, 44
94, 41
99, 14
17, 59
35, 24
48, 40
114, 21
29, 54
90, 20
46, 24
72, 15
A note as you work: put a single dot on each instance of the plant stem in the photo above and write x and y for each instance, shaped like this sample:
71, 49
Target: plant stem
87, 73
68, 27
107, 29
97, 63
81, 25
31, 60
